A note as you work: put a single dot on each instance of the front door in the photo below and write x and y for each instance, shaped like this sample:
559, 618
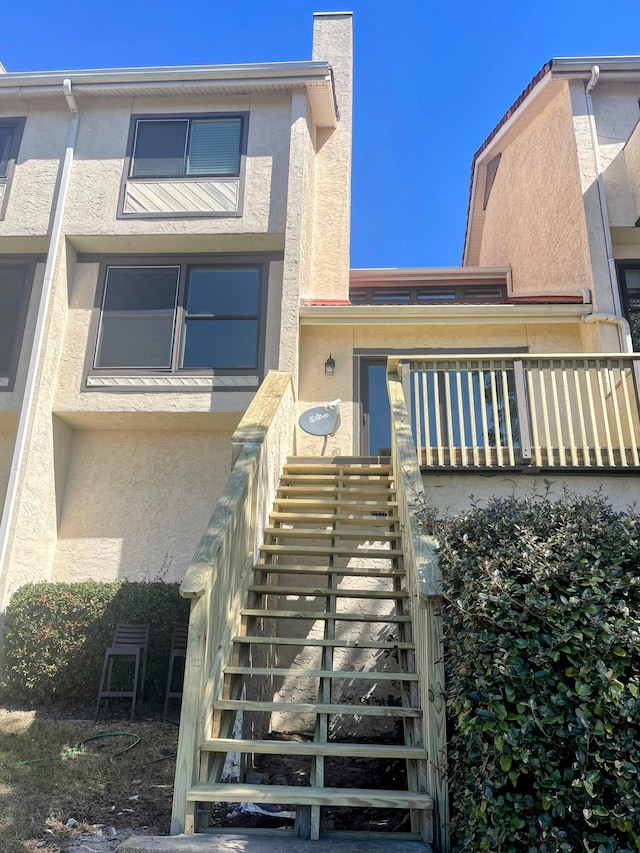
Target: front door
375, 421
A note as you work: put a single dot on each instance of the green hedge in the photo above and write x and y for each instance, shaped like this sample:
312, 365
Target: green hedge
542, 639
55, 635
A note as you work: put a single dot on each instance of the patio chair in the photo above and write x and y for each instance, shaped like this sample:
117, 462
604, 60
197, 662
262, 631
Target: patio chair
178, 650
129, 644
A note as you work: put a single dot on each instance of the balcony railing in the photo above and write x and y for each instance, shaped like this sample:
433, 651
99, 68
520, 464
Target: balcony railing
514, 411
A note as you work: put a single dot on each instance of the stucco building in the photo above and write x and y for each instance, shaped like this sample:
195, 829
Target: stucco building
175, 290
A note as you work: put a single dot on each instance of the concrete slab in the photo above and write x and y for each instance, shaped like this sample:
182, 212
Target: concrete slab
250, 843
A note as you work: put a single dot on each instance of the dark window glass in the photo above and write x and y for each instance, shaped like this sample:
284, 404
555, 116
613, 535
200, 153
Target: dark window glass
220, 343
138, 317
6, 141
436, 296
159, 149
13, 281
219, 324
174, 148
221, 318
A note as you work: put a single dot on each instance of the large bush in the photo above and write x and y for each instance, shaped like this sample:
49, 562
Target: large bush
542, 639
55, 635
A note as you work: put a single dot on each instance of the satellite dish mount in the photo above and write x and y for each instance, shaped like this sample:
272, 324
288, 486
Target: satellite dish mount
321, 420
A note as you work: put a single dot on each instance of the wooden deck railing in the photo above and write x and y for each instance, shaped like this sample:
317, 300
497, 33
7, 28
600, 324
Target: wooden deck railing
521, 410
220, 571
424, 582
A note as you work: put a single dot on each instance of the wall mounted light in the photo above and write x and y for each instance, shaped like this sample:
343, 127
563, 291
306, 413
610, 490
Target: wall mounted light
329, 366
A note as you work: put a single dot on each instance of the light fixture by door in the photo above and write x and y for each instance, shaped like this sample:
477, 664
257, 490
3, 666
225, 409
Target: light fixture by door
329, 366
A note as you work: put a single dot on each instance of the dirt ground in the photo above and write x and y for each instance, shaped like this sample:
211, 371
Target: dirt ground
69, 785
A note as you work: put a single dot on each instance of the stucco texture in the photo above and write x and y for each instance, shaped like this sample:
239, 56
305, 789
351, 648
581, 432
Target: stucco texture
137, 503
342, 341
456, 492
535, 218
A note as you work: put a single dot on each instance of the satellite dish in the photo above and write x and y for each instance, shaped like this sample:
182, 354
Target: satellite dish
321, 420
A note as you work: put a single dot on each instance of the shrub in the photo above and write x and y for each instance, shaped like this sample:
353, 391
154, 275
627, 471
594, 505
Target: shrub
55, 635
542, 639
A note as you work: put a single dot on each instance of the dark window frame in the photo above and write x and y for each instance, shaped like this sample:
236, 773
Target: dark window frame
185, 263
444, 294
18, 123
243, 115
623, 268
29, 265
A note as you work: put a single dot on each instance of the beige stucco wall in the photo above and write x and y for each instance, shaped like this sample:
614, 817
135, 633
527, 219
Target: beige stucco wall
535, 217
343, 341
79, 345
615, 107
43, 143
137, 502
333, 41
99, 162
453, 492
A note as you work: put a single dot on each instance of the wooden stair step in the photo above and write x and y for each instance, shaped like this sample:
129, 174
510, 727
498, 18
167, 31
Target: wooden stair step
311, 592
291, 747
374, 490
360, 710
351, 675
337, 503
345, 571
330, 518
302, 795
328, 551
321, 477
310, 533
330, 468
314, 615
322, 643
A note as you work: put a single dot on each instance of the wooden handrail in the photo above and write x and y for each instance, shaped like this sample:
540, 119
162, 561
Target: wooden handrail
424, 580
220, 570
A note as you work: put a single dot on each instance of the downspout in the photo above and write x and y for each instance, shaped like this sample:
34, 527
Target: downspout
613, 276
26, 419
622, 324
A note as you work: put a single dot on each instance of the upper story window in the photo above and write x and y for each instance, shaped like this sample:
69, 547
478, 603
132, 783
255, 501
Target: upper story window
629, 275
417, 295
15, 281
187, 147
10, 136
182, 317
185, 166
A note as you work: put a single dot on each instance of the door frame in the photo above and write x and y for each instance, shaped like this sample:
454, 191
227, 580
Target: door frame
363, 354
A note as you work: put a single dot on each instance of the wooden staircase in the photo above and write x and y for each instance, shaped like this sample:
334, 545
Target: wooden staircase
322, 673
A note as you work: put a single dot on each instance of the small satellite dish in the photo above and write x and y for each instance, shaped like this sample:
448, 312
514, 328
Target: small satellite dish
321, 420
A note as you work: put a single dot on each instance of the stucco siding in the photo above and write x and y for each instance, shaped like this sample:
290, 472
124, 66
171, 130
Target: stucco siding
79, 346
453, 492
342, 341
137, 503
43, 144
535, 217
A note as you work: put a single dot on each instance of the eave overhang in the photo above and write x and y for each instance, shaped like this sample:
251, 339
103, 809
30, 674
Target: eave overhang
403, 315
314, 76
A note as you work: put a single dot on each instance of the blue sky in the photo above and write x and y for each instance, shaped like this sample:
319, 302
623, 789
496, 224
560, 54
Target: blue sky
431, 81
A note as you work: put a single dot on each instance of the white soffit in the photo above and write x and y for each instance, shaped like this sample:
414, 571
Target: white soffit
314, 76
390, 315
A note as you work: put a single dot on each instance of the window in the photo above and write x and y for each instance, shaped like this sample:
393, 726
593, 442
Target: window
10, 135
15, 282
192, 317
187, 147
429, 295
630, 286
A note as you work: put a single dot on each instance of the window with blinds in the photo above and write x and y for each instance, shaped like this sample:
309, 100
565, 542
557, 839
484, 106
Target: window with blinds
187, 147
